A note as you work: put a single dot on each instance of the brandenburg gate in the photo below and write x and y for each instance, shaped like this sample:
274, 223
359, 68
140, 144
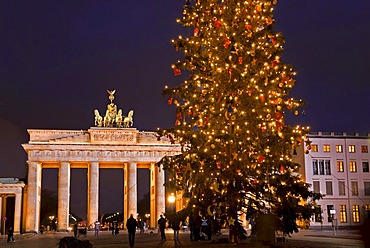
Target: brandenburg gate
111, 144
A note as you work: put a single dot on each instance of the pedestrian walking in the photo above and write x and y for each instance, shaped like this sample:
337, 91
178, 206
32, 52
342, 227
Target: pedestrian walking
10, 234
162, 226
97, 226
131, 225
75, 230
176, 223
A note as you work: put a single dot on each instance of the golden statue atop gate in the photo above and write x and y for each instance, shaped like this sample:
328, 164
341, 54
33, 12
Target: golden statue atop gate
113, 118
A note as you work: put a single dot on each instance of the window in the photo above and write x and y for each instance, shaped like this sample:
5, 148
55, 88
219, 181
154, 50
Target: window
314, 167
367, 188
341, 187
316, 186
351, 149
356, 213
321, 167
365, 166
354, 187
326, 148
340, 166
330, 215
342, 214
314, 148
352, 166
317, 214
339, 148
327, 167
367, 211
364, 149
329, 187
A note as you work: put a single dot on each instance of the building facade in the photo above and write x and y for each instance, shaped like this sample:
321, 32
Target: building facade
337, 166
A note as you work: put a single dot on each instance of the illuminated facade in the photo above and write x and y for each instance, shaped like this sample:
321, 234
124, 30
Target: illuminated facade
337, 166
94, 149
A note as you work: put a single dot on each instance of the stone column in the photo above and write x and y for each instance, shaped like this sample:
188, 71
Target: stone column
17, 212
157, 194
64, 176
1, 215
160, 192
130, 190
34, 197
93, 193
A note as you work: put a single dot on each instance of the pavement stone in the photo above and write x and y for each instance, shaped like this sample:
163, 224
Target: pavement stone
303, 239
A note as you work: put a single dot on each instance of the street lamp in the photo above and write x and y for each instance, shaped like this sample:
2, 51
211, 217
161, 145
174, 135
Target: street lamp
51, 218
171, 199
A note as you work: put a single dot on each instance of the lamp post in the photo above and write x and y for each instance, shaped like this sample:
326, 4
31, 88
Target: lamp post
51, 218
171, 199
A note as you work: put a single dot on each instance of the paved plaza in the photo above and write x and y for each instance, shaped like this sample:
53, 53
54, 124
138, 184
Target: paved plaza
303, 239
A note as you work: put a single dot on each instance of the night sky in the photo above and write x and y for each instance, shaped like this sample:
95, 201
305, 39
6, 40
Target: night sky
57, 58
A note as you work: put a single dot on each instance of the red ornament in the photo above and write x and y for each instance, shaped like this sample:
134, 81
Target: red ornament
218, 165
177, 123
196, 31
227, 43
275, 62
262, 98
179, 115
282, 168
273, 40
261, 159
263, 128
248, 26
255, 181
278, 116
170, 100
217, 23
240, 60
176, 71
190, 112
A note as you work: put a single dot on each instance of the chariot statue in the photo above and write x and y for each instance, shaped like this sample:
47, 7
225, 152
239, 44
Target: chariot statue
112, 117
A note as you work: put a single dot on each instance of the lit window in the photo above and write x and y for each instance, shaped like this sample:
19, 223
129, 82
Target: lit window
329, 187
342, 214
317, 214
367, 188
367, 211
364, 149
314, 148
327, 167
326, 148
365, 166
314, 167
330, 215
340, 166
341, 187
356, 213
352, 166
339, 148
351, 149
354, 188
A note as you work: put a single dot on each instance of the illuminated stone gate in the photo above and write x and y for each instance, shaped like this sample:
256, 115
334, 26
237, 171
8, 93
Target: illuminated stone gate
99, 147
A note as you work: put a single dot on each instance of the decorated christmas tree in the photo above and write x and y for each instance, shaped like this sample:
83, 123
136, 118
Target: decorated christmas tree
236, 147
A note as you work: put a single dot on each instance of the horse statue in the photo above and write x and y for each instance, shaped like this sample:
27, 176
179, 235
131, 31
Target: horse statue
119, 118
128, 120
110, 115
98, 118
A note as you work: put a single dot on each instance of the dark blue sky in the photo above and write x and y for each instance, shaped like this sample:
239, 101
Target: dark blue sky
57, 58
